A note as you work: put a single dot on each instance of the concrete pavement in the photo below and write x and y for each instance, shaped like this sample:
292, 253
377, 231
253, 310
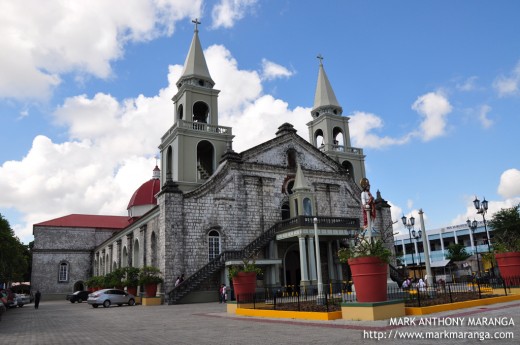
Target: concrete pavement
60, 322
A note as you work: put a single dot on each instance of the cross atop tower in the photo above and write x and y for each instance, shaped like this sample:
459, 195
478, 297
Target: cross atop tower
320, 58
196, 22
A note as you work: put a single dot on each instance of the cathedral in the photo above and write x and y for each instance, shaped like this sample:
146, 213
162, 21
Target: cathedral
207, 207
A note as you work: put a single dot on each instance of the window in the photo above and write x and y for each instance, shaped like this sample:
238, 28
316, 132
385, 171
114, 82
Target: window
307, 207
63, 275
213, 244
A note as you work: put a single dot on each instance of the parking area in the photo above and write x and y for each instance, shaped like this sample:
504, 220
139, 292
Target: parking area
61, 322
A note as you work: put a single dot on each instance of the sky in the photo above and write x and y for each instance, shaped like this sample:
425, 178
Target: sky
432, 90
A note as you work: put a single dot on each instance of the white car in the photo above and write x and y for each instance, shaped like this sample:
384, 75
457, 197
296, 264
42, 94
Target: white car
22, 299
106, 297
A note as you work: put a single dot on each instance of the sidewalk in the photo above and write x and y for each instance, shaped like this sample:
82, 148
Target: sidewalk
60, 322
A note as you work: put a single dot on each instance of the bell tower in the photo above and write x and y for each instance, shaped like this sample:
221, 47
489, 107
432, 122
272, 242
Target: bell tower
192, 148
329, 130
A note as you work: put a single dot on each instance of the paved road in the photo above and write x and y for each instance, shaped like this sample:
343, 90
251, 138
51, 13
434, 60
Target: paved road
60, 322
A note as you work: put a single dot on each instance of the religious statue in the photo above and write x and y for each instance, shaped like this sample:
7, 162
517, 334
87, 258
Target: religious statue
367, 202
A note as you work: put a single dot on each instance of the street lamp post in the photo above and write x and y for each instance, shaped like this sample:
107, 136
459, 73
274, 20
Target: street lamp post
482, 208
473, 226
409, 225
320, 299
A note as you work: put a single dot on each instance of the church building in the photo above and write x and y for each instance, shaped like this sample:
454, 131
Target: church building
207, 207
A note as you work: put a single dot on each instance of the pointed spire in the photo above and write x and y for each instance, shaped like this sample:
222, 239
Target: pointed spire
300, 183
195, 66
324, 97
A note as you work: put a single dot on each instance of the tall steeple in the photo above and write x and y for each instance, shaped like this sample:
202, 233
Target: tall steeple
329, 130
324, 98
195, 67
192, 148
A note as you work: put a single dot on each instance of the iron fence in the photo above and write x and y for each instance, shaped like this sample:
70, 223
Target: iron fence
307, 298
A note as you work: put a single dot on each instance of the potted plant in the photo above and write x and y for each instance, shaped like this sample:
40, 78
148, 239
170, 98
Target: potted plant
506, 242
150, 276
132, 279
114, 279
368, 260
244, 277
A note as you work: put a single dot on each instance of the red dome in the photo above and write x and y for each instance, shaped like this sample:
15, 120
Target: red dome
145, 195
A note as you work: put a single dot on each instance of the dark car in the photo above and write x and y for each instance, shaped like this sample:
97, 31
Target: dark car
78, 296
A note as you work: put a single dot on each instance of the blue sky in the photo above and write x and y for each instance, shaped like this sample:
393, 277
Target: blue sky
432, 89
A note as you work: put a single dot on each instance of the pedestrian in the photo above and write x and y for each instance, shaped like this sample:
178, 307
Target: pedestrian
224, 296
220, 293
37, 297
182, 278
178, 281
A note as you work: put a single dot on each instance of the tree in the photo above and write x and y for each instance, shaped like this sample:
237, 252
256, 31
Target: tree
506, 230
457, 252
14, 255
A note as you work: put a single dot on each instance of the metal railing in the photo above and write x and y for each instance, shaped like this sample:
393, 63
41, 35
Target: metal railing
306, 298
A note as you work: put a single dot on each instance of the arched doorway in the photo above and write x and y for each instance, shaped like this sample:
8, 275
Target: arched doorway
79, 286
292, 266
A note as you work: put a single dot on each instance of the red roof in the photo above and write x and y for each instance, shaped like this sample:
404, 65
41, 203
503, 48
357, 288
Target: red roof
145, 195
88, 221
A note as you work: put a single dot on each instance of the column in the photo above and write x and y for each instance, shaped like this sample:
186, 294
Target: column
104, 267
312, 260
110, 257
330, 262
96, 265
404, 253
303, 260
142, 233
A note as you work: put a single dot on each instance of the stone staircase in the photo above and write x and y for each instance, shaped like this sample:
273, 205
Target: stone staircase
194, 281
395, 275
203, 172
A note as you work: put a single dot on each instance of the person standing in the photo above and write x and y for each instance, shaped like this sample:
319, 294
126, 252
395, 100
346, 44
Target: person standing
224, 295
37, 298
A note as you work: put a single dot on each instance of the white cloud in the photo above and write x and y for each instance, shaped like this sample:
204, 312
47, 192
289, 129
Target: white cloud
509, 186
45, 42
483, 116
468, 85
271, 70
361, 128
434, 107
508, 85
227, 12
111, 144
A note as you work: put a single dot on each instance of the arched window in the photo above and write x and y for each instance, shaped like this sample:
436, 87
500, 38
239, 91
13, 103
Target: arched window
136, 262
318, 139
124, 262
200, 112
107, 264
286, 212
153, 249
213, 244
205, 159
339, 141
63, 273
180, 111
350, 169
307, 207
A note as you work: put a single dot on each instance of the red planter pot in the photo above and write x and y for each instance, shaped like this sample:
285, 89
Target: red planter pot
244, 284
369, 275
509, 265
150, 290
132, 290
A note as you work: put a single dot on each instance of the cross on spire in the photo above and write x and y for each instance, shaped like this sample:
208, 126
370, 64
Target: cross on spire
320, 58
196, 22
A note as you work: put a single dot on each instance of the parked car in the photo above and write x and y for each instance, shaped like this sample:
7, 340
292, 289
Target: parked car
106, 297
78, 296
22, 299
8, 298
